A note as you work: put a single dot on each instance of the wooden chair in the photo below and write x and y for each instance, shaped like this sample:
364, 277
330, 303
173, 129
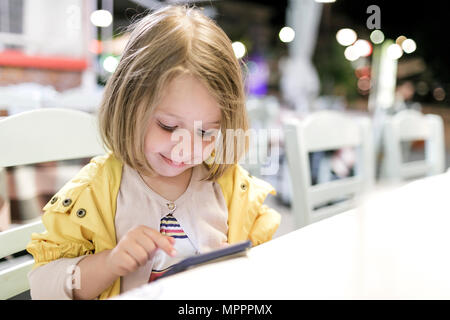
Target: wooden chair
411, 125
31, 137
320, 131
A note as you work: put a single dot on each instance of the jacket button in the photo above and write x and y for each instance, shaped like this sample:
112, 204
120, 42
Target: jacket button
81, 213
67, 202
54, 199
243, 186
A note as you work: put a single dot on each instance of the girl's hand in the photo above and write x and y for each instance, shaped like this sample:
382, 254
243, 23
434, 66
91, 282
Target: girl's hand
136, 248
224, 245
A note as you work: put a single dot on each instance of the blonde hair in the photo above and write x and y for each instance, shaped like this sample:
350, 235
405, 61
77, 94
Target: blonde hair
169, 42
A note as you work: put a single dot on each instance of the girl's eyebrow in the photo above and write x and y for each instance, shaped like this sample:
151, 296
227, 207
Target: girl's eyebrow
180, 118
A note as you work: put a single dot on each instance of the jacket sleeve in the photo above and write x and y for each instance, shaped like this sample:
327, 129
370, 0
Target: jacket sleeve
63, 238
265, 225
56, 252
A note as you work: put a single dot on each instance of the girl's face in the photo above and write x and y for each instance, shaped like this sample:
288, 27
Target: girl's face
182, 129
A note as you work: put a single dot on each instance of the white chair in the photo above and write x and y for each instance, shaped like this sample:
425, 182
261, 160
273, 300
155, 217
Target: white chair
32, 137
411, 125
320, 131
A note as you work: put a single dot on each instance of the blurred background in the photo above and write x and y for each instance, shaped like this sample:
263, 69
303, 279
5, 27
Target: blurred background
369, 59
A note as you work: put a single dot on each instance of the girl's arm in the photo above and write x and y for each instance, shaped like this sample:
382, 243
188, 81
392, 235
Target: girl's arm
94, 276
53, 281
82, 277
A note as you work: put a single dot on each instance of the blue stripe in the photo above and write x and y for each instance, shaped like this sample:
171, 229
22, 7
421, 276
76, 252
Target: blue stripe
179, 237
170, 225
168, 219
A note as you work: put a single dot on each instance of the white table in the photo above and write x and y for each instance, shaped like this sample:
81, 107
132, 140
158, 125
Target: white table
396, 245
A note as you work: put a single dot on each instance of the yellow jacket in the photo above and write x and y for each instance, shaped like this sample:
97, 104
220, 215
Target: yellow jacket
79, 219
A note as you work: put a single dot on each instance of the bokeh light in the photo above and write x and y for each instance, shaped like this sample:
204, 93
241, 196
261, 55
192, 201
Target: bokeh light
439, 94
346, 36
409, 45
363, 47
110, 63
239, 49
394, 51
101, 18
95, 46
400, 40
377, 36
351, 53
422, 88
364, 84
287, 34
362, 71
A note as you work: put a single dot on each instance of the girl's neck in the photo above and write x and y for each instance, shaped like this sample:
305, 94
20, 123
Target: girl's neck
170, 188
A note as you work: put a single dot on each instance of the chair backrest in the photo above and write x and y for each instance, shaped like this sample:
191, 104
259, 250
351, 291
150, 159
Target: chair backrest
32, 137
411, 125
320, 131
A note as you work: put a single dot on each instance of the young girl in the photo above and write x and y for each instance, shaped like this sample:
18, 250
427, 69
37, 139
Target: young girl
132, 213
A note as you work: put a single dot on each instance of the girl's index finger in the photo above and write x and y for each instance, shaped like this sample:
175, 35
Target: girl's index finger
163, 242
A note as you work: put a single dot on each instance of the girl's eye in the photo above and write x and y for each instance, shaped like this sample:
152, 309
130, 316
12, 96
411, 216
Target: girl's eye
167, 128
202, 133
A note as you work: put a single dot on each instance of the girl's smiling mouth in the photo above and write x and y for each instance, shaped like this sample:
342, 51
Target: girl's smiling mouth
173, 163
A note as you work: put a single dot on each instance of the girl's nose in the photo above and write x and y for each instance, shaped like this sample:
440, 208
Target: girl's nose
192, 154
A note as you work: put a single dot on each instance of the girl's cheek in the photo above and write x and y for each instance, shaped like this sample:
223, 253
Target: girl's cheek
155, 140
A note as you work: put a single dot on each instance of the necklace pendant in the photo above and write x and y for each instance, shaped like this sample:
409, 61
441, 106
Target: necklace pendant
171, 206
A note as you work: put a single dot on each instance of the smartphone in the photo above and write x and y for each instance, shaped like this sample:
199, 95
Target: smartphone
231, 251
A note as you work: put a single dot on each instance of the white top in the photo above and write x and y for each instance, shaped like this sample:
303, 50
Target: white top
201, 211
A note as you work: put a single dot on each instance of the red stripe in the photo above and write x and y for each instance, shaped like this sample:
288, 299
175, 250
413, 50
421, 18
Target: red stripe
171, 231
155, 275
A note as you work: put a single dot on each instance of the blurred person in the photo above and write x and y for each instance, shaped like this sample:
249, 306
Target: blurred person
131, 214
403, 100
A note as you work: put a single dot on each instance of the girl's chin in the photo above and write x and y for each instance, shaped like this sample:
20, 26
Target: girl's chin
168, 173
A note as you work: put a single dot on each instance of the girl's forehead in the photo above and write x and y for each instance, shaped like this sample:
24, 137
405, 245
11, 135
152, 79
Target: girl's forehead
187, 98
187, 89
187, 111
186, 115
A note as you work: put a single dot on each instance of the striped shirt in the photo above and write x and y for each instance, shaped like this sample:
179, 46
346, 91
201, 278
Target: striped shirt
169, 226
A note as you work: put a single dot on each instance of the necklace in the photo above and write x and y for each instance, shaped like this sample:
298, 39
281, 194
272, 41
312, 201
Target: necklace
171, 206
